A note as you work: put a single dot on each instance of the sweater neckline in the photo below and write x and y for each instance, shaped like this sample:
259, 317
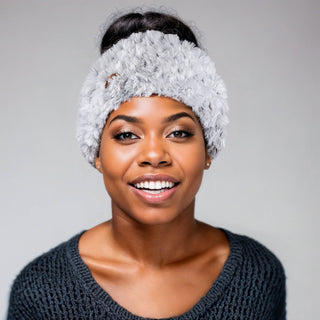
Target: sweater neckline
102, 297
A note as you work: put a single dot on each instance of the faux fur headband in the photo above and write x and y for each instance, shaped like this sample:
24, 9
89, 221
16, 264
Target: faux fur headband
149, 63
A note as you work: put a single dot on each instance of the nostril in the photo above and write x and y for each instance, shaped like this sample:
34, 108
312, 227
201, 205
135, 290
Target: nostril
146, 163
155, 158
154, 163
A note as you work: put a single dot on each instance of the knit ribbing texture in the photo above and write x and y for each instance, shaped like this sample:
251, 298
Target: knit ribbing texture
58, 285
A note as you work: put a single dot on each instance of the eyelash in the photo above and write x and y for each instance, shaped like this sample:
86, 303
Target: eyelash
185, 134
129, 136
121, 136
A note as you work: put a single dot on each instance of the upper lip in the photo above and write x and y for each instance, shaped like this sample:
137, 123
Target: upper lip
154, 177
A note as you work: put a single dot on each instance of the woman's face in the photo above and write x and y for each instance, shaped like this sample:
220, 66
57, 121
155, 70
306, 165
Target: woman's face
152, 157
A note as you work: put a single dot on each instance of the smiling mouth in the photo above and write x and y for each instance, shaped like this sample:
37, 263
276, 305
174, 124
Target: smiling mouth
154, 187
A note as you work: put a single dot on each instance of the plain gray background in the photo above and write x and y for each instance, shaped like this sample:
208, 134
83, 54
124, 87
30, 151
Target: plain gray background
264, 184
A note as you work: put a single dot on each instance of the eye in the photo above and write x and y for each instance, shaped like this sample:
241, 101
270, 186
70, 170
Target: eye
125, 136
180, 134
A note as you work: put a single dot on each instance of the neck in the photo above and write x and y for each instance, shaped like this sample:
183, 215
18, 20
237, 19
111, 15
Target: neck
158, 244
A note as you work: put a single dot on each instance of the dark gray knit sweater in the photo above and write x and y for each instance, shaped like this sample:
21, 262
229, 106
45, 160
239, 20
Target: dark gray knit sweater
58, 285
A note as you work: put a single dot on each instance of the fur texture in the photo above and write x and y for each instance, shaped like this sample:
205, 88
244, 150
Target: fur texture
152, 63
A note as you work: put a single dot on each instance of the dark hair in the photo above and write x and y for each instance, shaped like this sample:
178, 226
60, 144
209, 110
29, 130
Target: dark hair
130, 23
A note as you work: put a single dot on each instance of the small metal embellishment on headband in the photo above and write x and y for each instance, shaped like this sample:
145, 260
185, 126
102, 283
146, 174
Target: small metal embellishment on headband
110, 77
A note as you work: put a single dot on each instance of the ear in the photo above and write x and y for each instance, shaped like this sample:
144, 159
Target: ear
98, 165
208, 161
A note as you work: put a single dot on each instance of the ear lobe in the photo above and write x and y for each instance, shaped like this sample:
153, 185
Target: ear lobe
98, 165
208, 161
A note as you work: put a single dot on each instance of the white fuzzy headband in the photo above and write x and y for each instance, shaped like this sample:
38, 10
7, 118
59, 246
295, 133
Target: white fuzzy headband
149, 63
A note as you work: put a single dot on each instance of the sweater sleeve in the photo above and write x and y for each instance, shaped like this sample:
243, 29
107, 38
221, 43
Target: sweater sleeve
280, 311
20, 306
265, 274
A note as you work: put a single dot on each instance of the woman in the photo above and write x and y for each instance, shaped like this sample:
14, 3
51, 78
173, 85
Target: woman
152, 116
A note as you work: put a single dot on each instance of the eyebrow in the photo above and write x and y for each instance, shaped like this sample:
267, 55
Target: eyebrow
125, 118
171, 118
177, 116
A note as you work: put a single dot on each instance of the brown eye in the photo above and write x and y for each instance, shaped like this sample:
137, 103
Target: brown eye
180, 134
125, 136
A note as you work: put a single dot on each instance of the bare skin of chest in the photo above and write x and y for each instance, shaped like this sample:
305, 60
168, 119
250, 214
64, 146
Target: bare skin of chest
157, 291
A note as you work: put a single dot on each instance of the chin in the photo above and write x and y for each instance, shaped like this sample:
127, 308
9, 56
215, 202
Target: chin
160, 216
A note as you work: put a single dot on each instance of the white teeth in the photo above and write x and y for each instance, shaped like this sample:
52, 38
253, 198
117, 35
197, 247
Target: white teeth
153, 191
154, 185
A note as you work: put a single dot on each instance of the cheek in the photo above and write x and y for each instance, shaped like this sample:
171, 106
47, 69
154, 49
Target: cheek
192, 161
195, 170
111, 162
115, 161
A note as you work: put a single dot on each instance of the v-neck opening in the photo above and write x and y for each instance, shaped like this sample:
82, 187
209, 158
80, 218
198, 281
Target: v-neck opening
102, 297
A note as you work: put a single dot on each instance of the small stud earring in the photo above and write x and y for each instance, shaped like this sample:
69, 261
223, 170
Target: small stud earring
208, 164
98, 167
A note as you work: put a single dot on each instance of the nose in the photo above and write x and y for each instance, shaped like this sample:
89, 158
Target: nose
154, 152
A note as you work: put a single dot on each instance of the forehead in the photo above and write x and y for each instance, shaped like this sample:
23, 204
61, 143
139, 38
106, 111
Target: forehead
151, 108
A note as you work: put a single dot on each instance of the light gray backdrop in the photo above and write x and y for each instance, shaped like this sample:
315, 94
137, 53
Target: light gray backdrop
264, 184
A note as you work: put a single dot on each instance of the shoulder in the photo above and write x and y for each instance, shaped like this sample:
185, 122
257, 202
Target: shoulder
260, 274
47, 262
257, 263
256, 253
37, 280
